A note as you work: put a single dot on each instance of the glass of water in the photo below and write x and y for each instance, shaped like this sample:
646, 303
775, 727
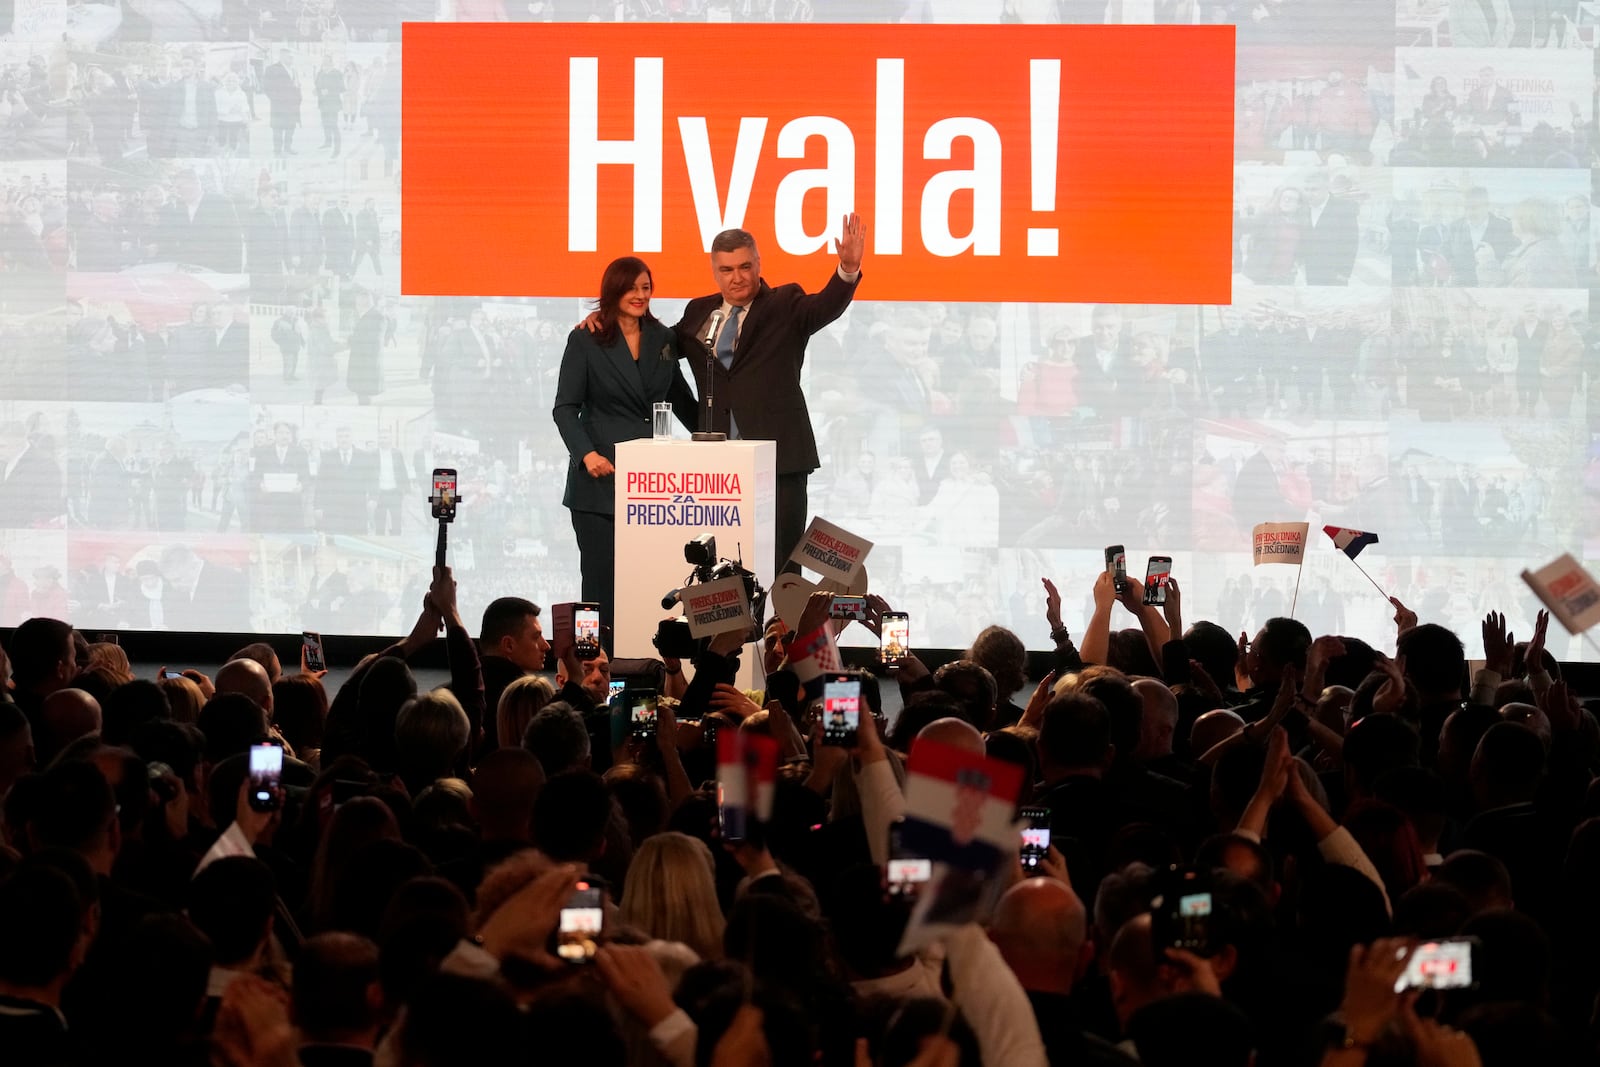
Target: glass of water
663, 421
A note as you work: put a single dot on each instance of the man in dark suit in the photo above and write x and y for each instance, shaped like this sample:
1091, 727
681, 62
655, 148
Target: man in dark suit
1531, 333
105, 595
192, 111
364, 369
201, 228
268, 247
1488, 103
760, 348
1105, 359
110, 490
344, 476
201, 595
280, 474
233, 346
392, 481
282, 89
1478, 225
339, 237
1331, 234
369, 237
32, 487
305, 234
459, 379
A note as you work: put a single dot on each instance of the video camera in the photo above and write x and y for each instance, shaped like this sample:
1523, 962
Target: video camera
672, 638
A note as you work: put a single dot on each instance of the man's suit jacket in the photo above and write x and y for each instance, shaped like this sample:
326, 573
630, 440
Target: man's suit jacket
1329, 247
35, 492
212, 239
268, 241
305, 238
221, 598
364, 369
603, 397
205, 104
233, 356
1463, 252
339, 235
342, 489
762, 389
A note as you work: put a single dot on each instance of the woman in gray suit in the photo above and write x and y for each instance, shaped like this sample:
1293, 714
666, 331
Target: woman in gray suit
609, 380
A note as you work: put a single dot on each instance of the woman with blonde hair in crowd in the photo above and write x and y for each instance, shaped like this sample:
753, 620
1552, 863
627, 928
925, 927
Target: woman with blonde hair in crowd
1539, 262
113, 659
520, 702
671, 893
184, 697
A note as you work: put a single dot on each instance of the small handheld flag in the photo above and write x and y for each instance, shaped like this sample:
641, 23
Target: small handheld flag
1351, 542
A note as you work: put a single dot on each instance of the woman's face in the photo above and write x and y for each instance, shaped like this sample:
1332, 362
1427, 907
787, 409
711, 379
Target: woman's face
1439, 87
1289, 202
635, 302
960, 468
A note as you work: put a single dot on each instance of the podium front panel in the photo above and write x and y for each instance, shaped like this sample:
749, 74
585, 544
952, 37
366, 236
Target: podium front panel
669, 493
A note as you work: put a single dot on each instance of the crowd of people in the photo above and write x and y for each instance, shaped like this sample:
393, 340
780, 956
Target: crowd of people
396, 895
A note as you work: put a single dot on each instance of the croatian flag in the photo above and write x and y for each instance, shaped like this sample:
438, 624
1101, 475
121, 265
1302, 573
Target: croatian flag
1350, 542
747, 778
959, 807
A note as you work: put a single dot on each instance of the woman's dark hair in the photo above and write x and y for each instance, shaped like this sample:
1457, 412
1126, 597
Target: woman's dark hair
615, 284
300, 710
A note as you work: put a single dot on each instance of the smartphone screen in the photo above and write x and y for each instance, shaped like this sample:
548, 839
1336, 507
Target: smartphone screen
1117, 565
266, 768
1192, 921
1438, 965
444, 494
586, 630
172, 674
314, 658
614, 694
1035, 838
905, 874
578, 934
896, 640
1156, 573
708, 732
642, 703
848, 607
841, 710
108, 639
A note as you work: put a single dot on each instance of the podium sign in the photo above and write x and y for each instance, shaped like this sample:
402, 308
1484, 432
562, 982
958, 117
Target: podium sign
669, 493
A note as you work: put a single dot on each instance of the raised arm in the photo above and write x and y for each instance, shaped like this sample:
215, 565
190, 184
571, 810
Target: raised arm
1096, 645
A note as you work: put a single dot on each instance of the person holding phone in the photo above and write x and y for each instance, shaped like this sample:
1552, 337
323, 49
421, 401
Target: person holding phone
609, 380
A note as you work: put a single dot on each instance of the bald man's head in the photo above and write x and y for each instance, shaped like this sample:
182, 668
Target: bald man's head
70, 714
957, 733
1042, 929
1135, 972
248, 677
1211, 729
1158, 719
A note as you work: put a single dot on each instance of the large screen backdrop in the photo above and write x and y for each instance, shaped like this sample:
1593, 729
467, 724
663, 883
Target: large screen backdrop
218, 409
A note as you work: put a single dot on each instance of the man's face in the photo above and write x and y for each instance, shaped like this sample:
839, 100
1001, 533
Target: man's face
597, 678
528, 648
1477, 208
343, 437
737, 274
981, 332
908, 344
282, 437
931, 444
1107, 328
1317, 191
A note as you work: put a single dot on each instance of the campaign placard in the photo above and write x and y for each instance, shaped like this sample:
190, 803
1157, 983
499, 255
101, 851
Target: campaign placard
1279, 542
1569, 591
716, 607
831, 551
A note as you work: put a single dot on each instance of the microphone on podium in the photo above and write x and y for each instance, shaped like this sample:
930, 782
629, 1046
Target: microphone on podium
713, 327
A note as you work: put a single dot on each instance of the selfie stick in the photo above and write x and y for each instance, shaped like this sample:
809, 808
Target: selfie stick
444, 538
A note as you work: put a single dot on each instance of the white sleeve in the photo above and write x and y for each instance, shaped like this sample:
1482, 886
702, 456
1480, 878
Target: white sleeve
1341, 848
882, 805
675, 1038
231, 843
992, 1001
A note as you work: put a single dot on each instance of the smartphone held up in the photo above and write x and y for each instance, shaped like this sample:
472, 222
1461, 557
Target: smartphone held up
266, 771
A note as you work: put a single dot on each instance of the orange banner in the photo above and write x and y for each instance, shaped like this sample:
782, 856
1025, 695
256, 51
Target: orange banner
1018, 163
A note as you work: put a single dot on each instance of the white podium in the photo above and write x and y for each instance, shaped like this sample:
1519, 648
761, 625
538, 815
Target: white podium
669, 493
